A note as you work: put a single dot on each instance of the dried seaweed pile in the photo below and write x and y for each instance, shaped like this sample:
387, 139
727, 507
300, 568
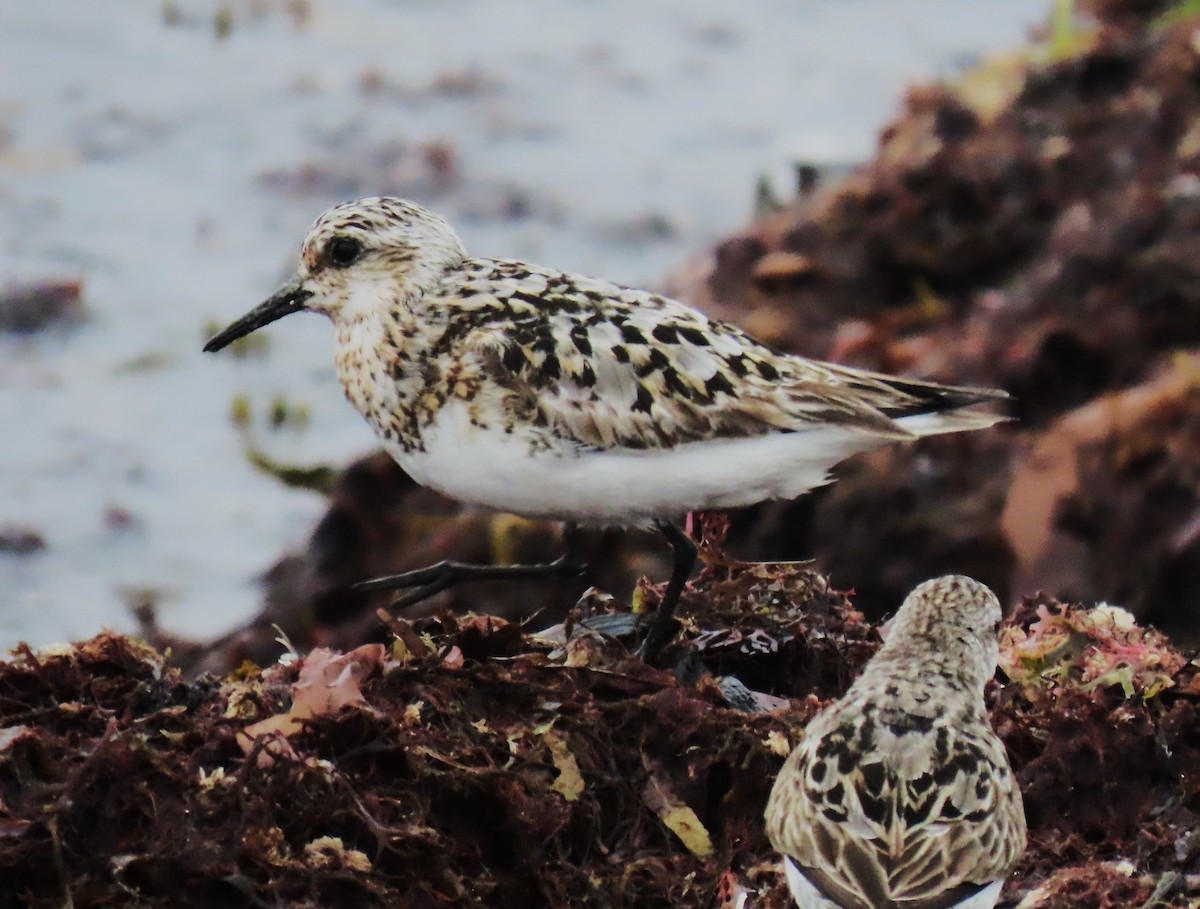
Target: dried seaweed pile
462, 765
471, 763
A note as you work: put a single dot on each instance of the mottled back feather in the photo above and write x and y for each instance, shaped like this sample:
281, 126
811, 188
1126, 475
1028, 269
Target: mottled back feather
610, 366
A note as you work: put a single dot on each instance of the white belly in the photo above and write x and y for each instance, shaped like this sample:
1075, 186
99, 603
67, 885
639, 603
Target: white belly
622, 487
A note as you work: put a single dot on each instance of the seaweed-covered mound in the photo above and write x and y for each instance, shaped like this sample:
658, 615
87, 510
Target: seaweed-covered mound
466, 763
471, 763
1035, 226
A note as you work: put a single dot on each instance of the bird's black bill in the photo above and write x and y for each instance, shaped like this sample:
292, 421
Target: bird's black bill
286, 301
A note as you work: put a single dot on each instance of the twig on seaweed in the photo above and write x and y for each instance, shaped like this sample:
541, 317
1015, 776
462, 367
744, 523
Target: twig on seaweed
1191, 658
383, 833
59, 864
1171, 883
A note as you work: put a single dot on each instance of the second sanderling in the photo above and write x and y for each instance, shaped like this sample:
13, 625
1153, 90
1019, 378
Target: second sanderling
553, 395
900, 795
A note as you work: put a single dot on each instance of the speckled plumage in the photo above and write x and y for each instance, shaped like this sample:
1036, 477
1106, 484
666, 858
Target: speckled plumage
555, 395
900, 795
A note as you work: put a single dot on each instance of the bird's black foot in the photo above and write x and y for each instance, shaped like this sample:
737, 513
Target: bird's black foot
425, 582
662, 626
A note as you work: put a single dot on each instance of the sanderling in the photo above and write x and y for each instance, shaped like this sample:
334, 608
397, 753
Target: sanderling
553, 395
900, 794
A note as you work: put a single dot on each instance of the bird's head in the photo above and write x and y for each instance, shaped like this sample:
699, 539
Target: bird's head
359, 259
954, 618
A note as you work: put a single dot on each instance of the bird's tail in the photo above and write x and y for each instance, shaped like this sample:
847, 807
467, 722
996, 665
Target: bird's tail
932, 424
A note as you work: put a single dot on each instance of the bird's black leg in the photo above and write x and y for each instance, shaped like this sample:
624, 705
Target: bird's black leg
436, 578
662, 626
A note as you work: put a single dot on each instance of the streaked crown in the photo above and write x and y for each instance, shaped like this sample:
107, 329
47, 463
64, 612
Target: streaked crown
955, 620
388, 248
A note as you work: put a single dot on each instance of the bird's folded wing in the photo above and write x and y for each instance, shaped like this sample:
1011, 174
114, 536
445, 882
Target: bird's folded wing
870, 840
635, 370
967, 828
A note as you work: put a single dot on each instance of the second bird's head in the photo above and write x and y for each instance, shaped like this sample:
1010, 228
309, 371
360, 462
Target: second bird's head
952, 621
359, 258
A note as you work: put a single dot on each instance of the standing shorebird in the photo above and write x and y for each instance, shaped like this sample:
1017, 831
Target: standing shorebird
900, 795
552, 395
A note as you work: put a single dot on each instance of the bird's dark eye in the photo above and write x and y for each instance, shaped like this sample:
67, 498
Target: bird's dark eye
343, 251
